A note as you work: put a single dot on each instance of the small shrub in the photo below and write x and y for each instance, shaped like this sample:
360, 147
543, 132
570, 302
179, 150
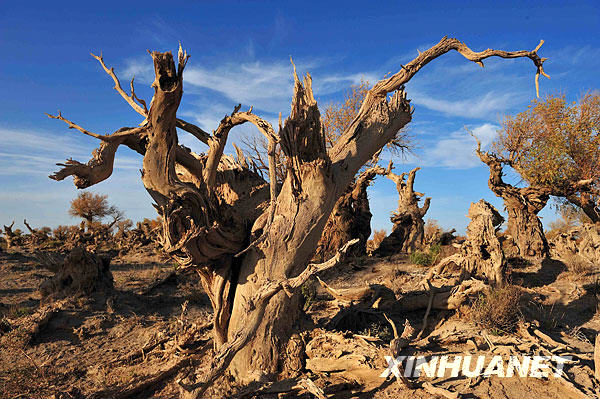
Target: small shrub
309, 295
433, 231
578, 265
499, 310
426, 258
378, 236
379, 330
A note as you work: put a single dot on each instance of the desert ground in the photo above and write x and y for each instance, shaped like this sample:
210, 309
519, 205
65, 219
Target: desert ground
140, 337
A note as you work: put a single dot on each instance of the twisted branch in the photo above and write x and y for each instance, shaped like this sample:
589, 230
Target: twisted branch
445, 45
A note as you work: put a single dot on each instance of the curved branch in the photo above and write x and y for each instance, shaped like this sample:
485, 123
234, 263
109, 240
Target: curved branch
445, 45
217, 145
100, 167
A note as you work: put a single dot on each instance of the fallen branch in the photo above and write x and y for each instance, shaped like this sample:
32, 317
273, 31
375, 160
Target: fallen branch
310, 386
429, 387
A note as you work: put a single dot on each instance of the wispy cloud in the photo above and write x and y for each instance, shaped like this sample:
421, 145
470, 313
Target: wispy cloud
490, 105
457, 150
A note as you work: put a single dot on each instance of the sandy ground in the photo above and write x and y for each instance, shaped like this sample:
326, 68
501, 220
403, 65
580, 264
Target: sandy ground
96, 347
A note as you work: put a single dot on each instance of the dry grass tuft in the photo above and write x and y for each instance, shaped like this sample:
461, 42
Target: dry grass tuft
499, 310
578, 265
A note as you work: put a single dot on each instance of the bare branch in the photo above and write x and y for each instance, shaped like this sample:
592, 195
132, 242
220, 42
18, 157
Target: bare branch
129, 98
32, 231
217, 145
134, 96
445, 45
194, 130
82, 130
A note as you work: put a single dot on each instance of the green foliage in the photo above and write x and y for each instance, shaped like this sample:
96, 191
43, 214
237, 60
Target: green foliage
554, 143
426, 258
380, 330
309, 294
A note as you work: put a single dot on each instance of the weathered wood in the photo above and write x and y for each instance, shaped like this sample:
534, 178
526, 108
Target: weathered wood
597, 358
224, 219
481, 254
408, 233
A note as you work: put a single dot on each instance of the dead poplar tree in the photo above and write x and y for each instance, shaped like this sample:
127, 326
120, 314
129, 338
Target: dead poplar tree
481, 254
245, 237
9, 235
408, 232
350, 218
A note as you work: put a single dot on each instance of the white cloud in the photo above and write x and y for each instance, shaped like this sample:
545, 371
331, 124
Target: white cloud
487, 106
457, 151
43, 141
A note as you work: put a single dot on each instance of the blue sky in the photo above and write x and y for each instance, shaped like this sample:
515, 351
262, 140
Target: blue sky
240, 54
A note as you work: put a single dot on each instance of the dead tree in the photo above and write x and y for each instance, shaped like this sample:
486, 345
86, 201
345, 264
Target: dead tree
408, 232
245, 237
9, 235
481, 254
350, 218
522, 205
38, 236
579, 241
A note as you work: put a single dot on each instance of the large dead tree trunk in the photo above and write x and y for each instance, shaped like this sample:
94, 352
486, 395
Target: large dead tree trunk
481, 254
350, 218
408, 232
246, 237
522, 205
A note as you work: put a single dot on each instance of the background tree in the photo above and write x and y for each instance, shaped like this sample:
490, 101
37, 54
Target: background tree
522, 205
247, 237
93, 207
556, 145
408, 231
